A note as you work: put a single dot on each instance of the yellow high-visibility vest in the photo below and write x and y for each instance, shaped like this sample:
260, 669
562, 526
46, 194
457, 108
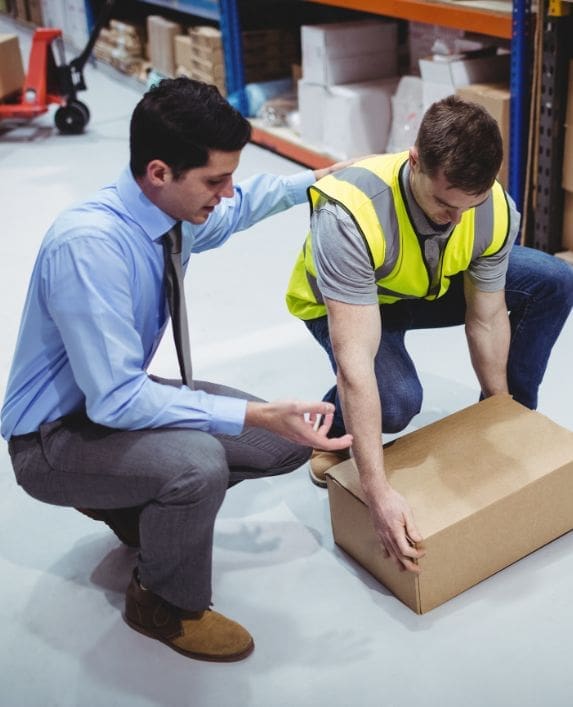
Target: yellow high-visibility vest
362, 190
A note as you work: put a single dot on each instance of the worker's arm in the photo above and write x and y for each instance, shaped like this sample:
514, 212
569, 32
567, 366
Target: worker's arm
488, 334
355, 332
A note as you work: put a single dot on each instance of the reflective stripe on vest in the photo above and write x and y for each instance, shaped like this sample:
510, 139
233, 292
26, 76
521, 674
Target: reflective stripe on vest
371, 193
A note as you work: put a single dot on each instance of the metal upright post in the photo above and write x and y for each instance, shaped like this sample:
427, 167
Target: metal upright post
233, 48
548, 218
520, 96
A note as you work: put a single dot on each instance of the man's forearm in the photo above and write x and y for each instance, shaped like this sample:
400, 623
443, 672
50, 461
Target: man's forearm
489, 347
363, 419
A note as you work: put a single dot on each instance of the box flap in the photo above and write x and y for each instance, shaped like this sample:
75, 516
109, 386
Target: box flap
469, 460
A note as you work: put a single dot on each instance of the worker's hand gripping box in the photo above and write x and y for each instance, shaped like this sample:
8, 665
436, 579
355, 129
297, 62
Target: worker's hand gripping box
487, 485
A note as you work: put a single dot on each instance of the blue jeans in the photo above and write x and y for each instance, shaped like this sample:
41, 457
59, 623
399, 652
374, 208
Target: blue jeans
539, 297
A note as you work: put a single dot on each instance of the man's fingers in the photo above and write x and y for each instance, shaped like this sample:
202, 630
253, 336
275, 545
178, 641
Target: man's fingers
412, 531
332, 444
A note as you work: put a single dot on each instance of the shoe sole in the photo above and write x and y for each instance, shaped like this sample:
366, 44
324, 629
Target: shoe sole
317, 481
190, 654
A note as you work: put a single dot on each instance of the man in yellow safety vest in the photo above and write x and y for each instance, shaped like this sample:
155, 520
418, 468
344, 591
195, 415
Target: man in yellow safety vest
421, 239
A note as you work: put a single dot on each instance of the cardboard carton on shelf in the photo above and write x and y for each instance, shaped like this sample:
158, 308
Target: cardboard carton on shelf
11, 66
348, 120
441, 76
349, 52
496, 99
161, 34
487, 485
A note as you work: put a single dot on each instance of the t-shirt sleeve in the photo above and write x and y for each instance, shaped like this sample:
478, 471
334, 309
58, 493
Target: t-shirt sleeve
488, 272
343, 266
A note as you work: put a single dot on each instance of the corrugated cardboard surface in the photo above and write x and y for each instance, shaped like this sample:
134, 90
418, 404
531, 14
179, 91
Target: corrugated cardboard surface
11, 67
487, 486
162, 33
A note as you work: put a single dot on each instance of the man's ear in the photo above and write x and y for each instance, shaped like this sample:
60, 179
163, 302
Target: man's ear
158, 173
413, 157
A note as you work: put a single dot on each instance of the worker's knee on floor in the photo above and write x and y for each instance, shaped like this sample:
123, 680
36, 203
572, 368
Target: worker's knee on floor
395, 418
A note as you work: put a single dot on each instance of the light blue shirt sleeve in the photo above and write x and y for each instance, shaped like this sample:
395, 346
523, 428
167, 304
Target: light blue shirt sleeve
95, 312
255, 199
88, 294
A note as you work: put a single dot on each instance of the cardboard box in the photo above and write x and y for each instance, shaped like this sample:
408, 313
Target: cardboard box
11, 67
311, 111
422, 38
346, 121
162, 33
442, 75
496, 99
35, 12
20, 10
359, 116
349, 52
182, 51
567, 233
487, 485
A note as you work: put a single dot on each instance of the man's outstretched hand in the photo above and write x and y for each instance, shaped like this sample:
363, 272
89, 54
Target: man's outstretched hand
304, 423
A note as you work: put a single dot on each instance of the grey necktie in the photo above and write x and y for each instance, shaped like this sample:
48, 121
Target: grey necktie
173, 278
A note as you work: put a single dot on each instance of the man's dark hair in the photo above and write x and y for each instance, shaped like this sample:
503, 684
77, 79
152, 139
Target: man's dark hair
463, 140
179, 121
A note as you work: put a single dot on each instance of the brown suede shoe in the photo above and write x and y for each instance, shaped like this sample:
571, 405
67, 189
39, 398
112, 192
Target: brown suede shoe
321, 462
123, 521
205, 635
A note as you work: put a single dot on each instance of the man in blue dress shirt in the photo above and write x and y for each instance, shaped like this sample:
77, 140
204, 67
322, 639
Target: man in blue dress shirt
88, 427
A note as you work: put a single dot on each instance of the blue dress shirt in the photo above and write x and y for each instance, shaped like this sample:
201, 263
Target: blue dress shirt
95, 311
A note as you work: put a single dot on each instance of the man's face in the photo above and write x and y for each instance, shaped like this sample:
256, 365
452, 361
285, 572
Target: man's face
441, 202
197, 192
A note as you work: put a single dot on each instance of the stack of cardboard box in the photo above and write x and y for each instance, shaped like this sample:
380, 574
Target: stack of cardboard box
267, 54
442, 75
349, 74
121, 46
25, 10
161, 35
199, 55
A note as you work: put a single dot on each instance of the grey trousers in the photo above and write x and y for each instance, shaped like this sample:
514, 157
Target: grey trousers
178, 476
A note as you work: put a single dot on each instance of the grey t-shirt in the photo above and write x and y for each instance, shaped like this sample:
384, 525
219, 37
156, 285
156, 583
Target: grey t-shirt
343, 266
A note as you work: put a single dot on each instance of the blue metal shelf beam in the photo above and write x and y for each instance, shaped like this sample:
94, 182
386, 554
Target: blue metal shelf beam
209, 9
520, 96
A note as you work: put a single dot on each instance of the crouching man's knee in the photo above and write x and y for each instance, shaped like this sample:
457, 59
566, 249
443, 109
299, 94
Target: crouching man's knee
396, 416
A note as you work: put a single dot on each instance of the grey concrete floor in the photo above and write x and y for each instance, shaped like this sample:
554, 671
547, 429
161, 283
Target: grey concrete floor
327, 634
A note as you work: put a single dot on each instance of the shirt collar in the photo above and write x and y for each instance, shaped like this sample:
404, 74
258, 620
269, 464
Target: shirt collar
154, 222
421, 223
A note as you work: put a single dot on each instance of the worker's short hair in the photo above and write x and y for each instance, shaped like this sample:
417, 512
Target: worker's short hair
179, 121
462, 140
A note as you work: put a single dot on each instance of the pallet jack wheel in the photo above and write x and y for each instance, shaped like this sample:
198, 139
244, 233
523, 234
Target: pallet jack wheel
83, 107
72, 118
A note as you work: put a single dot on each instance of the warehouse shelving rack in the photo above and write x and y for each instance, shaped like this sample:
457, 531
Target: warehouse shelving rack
515, 25
226, 14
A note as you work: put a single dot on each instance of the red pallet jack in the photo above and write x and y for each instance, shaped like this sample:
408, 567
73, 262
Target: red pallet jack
50, 81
